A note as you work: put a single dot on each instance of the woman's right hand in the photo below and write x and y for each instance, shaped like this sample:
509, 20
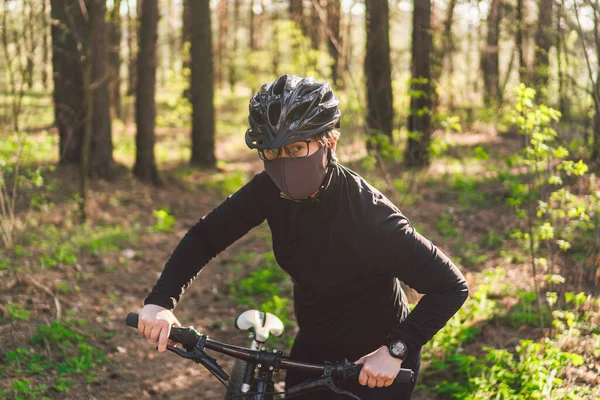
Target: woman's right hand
155, 323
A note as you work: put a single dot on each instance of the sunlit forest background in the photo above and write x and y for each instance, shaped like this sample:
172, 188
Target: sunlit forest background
122, 123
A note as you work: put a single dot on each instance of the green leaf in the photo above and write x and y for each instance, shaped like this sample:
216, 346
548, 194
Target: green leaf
555, 180
577, 360
555, 279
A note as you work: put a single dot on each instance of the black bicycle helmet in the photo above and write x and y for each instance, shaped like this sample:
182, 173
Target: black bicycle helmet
289, 110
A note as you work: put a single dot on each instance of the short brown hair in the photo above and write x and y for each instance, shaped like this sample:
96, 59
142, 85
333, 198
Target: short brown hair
323, 137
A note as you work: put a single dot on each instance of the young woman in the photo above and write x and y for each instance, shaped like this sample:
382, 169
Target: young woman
344, 244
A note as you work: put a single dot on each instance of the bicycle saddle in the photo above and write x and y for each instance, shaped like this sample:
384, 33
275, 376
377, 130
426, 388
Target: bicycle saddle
261, 323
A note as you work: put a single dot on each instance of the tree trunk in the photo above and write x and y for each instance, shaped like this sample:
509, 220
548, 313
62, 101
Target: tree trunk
100, 156
596, 84
448, 49
252, 42
233, 54
114, 58
471, 45
316, 30
543, 42
419, 119
519, 41
132, 29
222, 47
86, 66
333, 40
262, 21
69, 114
172, 36
203, 122
274, 48
490, 58
29, 40
145, 106
347, 45
563, 100
380, 113
45, 40
442, 54
186, 37
297, 14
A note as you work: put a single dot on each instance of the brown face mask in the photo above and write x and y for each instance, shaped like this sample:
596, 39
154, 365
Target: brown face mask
298, 178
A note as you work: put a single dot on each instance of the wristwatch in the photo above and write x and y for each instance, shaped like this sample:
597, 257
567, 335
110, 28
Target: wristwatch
398, 349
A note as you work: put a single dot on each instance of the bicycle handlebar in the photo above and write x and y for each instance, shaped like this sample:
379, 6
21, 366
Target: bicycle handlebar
189, 338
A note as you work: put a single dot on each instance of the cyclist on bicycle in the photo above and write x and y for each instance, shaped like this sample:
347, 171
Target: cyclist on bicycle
343, 243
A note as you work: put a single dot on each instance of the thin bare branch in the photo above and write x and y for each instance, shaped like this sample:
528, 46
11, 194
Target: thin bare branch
587, 59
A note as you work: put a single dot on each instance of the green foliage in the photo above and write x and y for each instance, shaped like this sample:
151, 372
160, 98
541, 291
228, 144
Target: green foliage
61, 247
526, 313
558, 213
407, 192
470, 255
369, 162
102, 239
174, 112
469, 192
381, 144
18, 179
164, 221
69, 355
262, 65
446, 226
576, 317
443, 349
494, 283
531, 371
267, 289
24, 361
17, 312
534, 374
492, 240
481, 154
440, 144
224, 184
63, 254
23, 389
261, 285
35, 149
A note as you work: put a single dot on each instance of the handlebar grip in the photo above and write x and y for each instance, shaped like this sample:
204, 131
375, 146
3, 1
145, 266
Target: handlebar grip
132, 320
404, 375
186, 336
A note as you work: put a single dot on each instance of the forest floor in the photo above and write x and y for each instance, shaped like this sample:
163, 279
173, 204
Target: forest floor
91, 276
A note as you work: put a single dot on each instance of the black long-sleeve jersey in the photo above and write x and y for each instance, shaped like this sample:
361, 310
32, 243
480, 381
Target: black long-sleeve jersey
345, 253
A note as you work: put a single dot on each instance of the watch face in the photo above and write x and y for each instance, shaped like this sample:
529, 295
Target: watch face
398, 348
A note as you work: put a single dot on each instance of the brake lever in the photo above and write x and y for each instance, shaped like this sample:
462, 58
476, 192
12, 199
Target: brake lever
200, 357
342, 391
325, 383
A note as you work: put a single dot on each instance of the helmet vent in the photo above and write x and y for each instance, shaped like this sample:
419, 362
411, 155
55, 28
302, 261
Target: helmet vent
327, 97
257, 116
299, 111
279, 85
274, 113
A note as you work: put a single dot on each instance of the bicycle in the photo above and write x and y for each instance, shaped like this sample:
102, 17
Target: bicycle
244, 382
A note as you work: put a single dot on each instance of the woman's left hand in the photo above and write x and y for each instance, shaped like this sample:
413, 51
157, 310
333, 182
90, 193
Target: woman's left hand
379, 368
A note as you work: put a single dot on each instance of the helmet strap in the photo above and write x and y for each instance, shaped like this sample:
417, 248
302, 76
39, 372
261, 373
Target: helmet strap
331, 159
